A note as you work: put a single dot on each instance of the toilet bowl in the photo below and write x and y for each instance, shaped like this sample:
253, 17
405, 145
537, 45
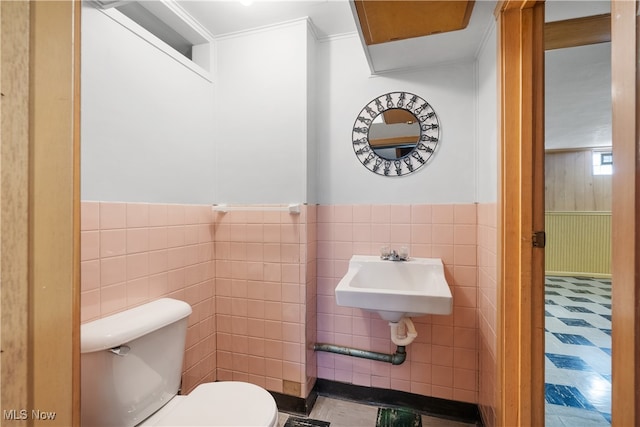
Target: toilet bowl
131, 366
227, 403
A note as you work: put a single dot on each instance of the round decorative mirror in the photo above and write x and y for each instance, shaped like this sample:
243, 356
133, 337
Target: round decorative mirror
396, 134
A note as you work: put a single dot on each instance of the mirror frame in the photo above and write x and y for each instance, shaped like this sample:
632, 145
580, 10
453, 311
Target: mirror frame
425, 146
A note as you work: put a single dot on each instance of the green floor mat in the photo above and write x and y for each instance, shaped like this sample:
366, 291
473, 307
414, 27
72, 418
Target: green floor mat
391, 417
305, 422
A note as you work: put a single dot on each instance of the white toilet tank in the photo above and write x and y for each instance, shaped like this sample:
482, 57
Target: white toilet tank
132, 362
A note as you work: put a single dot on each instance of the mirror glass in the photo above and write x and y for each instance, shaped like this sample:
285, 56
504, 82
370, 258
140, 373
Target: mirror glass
394, 133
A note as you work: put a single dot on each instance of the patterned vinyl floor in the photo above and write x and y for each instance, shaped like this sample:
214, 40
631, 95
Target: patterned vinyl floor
578, 351
343, 413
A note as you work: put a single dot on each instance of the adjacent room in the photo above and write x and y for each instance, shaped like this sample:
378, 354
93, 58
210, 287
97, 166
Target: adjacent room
578, 168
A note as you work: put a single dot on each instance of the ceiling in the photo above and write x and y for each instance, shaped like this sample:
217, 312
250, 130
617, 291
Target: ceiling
577, 85
222, 17
331, 18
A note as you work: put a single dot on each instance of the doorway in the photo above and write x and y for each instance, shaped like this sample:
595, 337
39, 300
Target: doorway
521, 58
578, 168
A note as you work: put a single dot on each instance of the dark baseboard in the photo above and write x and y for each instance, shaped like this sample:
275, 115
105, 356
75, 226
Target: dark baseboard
433, 406
293, 404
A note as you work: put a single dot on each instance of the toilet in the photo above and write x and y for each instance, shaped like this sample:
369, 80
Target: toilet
131, 369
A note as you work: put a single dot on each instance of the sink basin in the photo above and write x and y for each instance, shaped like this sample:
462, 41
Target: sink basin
395, 289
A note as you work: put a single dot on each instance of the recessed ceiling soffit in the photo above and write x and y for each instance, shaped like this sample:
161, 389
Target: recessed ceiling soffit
384, 21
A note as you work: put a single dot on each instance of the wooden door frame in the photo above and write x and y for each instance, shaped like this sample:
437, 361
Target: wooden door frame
14, 215
625, 234
521, 302
521, 212
40, 213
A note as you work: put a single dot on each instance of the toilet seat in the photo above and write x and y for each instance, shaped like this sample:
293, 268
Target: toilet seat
226, 403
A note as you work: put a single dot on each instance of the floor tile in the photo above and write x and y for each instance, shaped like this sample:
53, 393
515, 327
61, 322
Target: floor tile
566, 396
566, 416
343, 413
575, 322
572, 339
578, 352
568, 362
596, 390
577, 309
580, 299
305, 422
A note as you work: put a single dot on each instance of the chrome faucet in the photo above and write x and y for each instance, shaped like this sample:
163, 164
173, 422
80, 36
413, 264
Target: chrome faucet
393, 255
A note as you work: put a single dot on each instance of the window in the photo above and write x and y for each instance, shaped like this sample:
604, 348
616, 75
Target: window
166, 25
150, 22
602, 162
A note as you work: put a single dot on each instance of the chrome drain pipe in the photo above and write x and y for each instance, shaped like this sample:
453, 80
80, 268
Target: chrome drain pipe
396, 358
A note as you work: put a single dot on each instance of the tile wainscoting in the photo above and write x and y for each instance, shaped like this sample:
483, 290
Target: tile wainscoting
488, 389
443, 360
261, 284
266, 298
132, 253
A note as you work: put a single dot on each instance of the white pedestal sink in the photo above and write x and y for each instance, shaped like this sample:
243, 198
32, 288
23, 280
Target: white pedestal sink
395, 289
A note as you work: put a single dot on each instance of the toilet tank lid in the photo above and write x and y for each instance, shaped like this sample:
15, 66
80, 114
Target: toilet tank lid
124, 327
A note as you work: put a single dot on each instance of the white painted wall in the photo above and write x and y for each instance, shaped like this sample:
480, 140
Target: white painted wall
261, 103
487, 104
578, 97
558, 10
345, 87
275, 127
146, 120
312, 113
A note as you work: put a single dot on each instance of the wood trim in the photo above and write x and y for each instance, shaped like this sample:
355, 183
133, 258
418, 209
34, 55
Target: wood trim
537, 398
53, 211
625, 266
467, 14
76, 286
362, 20
397, 140
506, 5
521, 211
398, 115
14, 217
384, 21
577, 149
577, 32
577, 273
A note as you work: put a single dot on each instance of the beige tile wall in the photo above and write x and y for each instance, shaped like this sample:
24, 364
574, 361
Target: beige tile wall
443, 360
262, 287
311, 298
265, 298
132, 253
487, 310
